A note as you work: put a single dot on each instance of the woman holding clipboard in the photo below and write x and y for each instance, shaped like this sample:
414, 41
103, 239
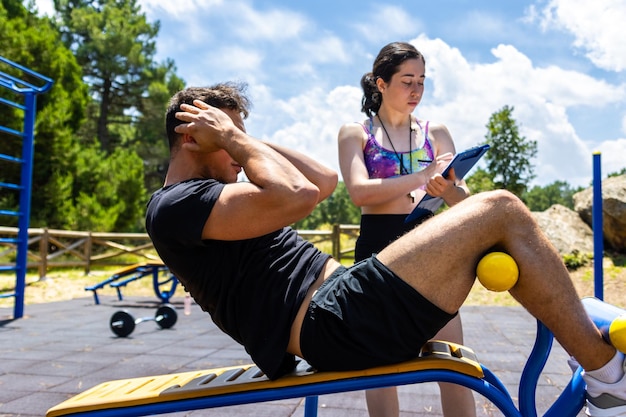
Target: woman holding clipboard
388, 163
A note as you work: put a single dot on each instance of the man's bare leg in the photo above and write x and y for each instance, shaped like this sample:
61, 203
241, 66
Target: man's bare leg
439, 260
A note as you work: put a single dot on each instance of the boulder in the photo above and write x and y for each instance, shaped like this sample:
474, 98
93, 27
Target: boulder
566, 230
613, 211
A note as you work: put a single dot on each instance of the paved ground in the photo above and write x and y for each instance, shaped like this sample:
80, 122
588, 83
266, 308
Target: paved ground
60, 349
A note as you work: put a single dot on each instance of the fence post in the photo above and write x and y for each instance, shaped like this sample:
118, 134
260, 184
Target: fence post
43, 254
336, 239
88, 246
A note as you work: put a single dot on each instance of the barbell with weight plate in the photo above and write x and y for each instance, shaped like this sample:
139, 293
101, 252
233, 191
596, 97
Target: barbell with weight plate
123, 323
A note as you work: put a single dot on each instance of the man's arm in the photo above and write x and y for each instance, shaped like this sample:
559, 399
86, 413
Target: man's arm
323, 177
277, 194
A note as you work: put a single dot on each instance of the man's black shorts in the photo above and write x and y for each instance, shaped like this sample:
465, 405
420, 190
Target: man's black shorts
366, 316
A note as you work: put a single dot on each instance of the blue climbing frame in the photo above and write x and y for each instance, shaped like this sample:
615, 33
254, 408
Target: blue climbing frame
28, 93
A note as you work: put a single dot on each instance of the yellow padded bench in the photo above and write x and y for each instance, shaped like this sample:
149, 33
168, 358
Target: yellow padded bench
247, 384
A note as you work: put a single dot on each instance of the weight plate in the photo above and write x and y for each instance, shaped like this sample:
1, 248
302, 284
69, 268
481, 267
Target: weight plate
166, 316
122, 323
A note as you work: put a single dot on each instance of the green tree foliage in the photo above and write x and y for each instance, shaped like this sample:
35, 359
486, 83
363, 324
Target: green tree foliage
78, 185
115, 46
107, 194
617, 173
34, 43
479, 181
336, 209
542, 198
509, 158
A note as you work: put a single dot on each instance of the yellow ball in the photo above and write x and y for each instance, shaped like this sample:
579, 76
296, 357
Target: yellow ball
617, 333
497, 271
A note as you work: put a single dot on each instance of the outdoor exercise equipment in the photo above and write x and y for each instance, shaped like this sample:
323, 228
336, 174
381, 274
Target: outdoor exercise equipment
610, 320
123, 323
597, 223
22, 99
164, 282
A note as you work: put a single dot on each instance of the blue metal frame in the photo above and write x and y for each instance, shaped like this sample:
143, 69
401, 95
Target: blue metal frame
29, 92
597, 226
161, 289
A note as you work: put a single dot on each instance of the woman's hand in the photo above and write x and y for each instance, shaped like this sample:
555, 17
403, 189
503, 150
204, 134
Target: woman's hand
438, 186
437, 166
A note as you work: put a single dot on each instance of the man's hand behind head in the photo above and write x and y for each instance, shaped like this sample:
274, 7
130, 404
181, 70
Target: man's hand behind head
208, 128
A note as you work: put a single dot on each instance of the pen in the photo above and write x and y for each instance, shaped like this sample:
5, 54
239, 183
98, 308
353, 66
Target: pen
425, 160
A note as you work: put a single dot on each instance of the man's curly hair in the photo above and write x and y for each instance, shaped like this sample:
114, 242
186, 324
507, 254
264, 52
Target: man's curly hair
228, 95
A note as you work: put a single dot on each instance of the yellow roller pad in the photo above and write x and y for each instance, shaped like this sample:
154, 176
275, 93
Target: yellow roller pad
197, 384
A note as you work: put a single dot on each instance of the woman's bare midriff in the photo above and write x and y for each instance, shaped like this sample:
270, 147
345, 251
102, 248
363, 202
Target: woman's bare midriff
296, 327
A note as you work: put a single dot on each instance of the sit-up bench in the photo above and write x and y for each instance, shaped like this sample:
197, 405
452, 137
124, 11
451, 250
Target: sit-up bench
438, 362
247, 384
163, 282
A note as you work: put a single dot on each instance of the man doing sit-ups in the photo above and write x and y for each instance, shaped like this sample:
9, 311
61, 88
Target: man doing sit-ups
230, 245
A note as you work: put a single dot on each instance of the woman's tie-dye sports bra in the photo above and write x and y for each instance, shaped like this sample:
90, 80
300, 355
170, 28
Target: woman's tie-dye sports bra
384, 163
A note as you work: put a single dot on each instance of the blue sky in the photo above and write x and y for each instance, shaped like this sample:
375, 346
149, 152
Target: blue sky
560, 63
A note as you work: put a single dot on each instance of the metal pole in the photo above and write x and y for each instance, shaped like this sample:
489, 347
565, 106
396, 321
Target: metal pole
597, 226
21, 261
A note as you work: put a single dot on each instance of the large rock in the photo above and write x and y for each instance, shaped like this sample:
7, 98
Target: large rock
566, 230
613, 211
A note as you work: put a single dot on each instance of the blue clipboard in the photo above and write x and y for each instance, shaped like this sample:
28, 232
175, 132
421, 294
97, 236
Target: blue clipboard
462, 163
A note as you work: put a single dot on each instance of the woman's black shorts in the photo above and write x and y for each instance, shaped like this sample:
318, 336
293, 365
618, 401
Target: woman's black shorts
366, 316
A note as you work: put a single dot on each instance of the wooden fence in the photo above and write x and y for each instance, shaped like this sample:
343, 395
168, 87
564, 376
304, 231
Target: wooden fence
50, 248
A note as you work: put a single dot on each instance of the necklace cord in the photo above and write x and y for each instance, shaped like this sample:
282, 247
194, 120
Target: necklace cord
403, 170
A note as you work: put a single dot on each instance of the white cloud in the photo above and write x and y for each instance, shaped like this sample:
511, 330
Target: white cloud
184, 10
303, 63
398, 20
612, 155
572, 88
236, 61
597, 28
387, 23
309, 122
478, 25
274, 25
327, 49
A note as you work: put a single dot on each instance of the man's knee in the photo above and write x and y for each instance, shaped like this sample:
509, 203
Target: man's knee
501, 206
499, 195
502, 199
